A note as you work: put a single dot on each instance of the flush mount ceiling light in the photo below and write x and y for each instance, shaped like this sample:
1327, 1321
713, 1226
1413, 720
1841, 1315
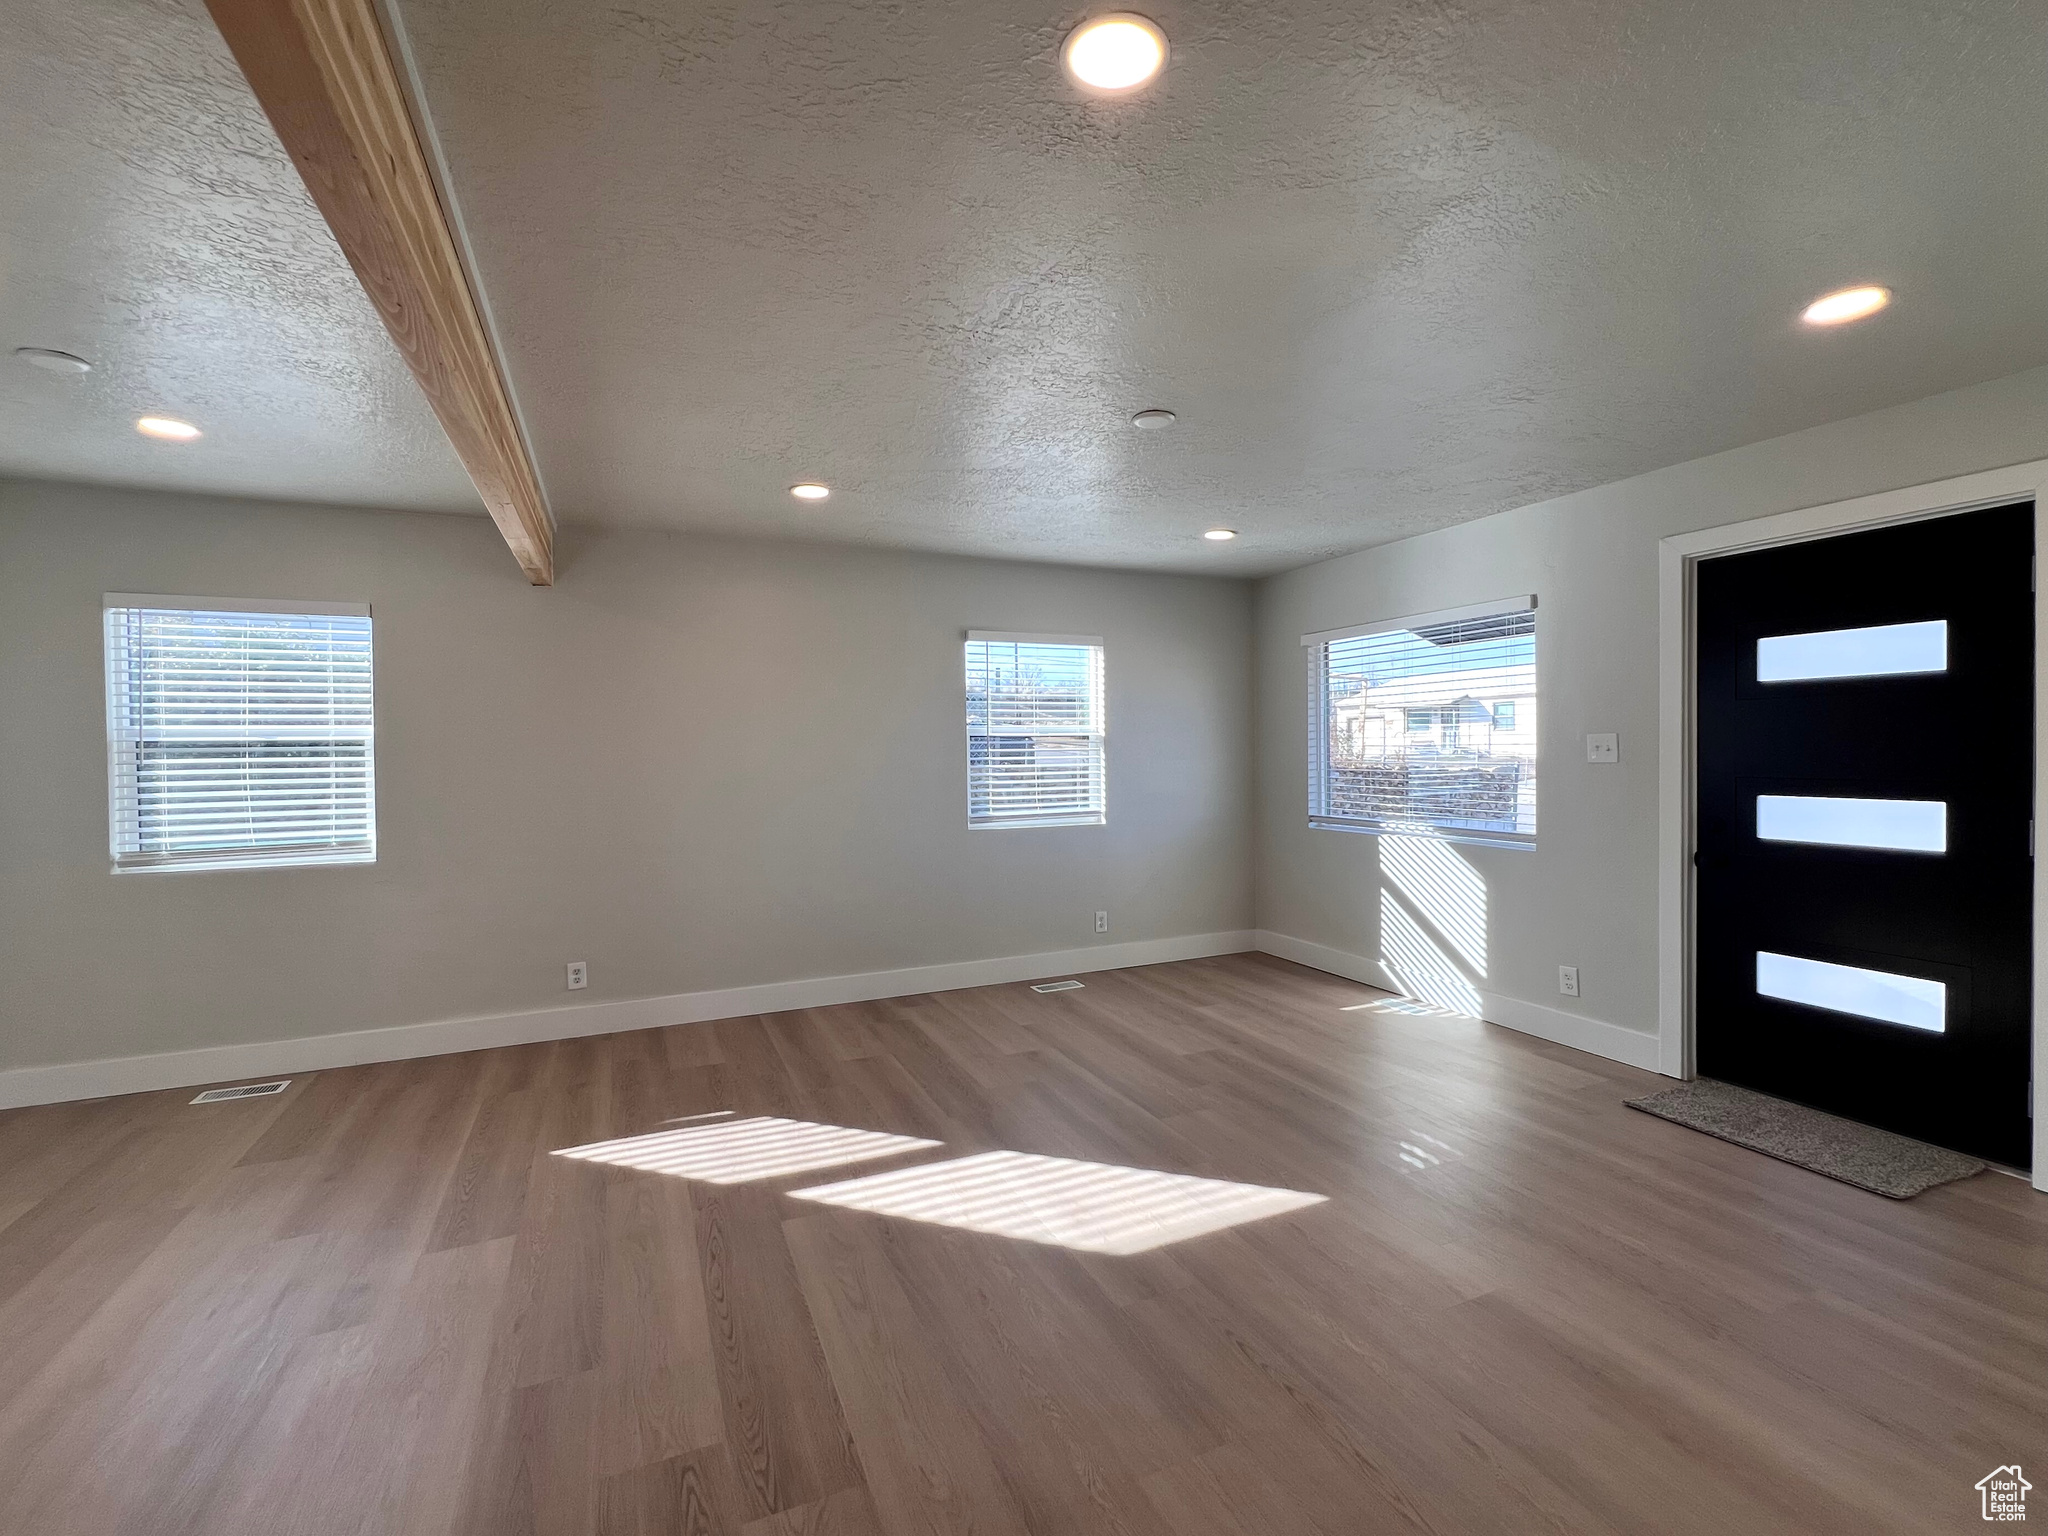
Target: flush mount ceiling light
1846, 304
1220, 535
1153, 419
810, 490
55, 362
1118, 52
168, 428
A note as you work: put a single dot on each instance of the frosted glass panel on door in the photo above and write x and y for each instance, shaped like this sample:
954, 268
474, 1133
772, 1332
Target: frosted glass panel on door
1885, 650
1910, 826
1913, 1001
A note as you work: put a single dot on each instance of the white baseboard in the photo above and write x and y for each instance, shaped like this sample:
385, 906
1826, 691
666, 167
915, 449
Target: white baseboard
1320, 957
271, 1058
1617, 1042
1635, 1047
220, 1063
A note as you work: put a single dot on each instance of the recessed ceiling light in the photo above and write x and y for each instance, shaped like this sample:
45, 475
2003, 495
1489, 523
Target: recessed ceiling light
1848, 304
810, 490
1118, 52
168, 428
56, 362
1153, 419
1220, 535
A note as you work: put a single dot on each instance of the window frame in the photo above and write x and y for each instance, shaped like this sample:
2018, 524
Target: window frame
122, 739
1098, 734
1316, 651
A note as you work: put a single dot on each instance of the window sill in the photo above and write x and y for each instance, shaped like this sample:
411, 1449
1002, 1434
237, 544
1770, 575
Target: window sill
202, 866
1472, 836
1011, 824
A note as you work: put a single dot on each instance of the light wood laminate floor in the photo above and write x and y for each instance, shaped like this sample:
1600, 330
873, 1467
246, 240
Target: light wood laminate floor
380, 1303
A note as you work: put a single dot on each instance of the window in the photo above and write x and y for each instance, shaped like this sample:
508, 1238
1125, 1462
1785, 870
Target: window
1905, 826
1427, 725
1913, 1001
238, 733
1034, 730
1885, 650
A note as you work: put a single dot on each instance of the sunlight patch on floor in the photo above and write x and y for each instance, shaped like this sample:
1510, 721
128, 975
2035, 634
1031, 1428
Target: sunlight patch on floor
1403, 1005
736, 1151
1093, 1207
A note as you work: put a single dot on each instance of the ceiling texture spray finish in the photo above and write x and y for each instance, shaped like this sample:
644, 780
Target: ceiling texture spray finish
154, 226
1394, 266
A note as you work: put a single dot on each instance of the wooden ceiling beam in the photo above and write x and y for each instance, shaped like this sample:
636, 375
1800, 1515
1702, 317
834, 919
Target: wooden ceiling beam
324, 73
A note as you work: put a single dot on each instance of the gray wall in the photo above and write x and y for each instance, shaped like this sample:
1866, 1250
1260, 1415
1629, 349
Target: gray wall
1587, 895
633, 768
695, 763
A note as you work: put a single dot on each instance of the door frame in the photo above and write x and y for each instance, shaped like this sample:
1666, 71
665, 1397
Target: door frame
1678, 558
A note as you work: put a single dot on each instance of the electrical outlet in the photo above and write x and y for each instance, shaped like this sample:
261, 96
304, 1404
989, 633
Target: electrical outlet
1568, 980
579, 975
1603, 748
1102, 922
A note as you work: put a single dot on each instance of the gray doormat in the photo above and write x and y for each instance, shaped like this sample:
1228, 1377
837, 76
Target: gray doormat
1879, 1161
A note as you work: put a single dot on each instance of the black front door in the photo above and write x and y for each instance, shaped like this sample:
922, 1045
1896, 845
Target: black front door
1864, 865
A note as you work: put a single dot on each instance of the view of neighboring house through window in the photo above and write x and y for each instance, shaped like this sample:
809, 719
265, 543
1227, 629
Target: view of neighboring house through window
1034, 730
239, 733
1427, 725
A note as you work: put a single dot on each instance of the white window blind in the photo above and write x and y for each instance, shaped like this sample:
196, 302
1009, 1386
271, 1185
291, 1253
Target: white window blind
1427, 725
238, 734
1034, 730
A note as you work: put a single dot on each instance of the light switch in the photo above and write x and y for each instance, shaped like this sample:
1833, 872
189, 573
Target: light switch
1603, 749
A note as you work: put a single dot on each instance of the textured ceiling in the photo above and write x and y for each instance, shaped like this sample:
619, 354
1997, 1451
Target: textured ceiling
1395, 265
150, 221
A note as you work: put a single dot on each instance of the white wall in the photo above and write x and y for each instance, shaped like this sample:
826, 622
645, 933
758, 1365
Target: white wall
695, 763
1587, 895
